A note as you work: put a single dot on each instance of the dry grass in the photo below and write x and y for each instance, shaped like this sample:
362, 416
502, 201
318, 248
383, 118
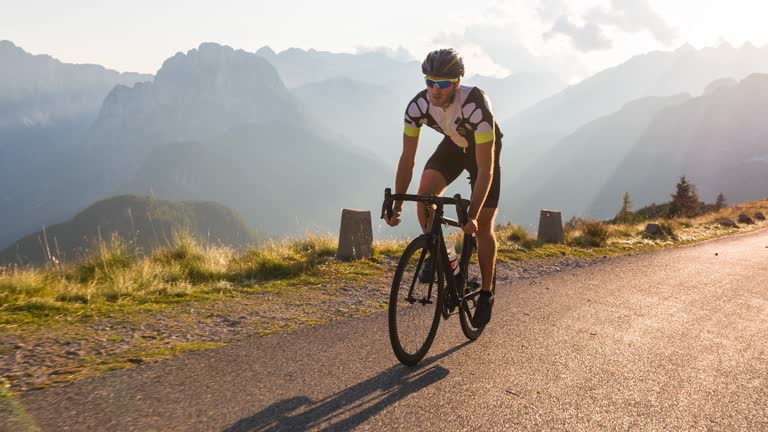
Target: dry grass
589, 238
118, 276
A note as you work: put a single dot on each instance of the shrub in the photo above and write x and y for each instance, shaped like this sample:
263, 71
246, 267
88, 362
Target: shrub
517, 234
528, 244
593, 234
669, 229
653, 211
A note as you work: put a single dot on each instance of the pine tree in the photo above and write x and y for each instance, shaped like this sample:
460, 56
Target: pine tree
685, 202
720, 203
625, 215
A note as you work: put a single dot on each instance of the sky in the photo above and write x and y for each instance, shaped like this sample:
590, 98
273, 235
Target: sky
571, 38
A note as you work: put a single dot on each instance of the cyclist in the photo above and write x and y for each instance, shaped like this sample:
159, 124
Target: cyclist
472, 142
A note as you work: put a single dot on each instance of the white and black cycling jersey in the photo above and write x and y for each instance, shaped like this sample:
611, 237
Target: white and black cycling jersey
468, 119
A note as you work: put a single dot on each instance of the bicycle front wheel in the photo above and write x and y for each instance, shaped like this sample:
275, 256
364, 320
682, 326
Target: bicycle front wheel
414, 305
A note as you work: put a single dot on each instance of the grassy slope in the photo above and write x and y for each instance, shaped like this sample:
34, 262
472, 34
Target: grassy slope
116, 277
301, 278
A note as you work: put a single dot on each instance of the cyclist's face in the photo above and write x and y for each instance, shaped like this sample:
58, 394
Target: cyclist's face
442, 97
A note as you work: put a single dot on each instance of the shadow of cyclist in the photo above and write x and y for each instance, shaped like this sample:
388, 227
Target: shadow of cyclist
350, 407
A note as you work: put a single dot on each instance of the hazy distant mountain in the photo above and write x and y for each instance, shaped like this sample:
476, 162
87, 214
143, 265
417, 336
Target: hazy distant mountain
357, 98
516, 92
147, 222
570, 176
686, 70
716, 85
279, 176
194, 96
38, 90
45, 107
298, 67
365, 115
370, 116
718, 141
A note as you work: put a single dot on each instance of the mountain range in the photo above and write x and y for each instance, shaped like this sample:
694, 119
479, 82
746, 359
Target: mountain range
717, 140
288, 139
46, 107
232, 108
535, 130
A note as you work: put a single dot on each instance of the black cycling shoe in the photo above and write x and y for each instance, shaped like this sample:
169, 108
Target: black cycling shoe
426, 271
483, 309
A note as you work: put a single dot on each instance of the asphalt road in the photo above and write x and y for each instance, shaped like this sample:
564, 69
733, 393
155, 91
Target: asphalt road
673, 340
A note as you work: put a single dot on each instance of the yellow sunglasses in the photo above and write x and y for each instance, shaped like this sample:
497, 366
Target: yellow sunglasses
439, 83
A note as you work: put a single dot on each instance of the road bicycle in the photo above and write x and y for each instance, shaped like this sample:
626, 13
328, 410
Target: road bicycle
417, 303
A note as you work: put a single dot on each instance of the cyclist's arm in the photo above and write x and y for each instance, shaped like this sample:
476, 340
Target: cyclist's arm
485, 142
405, 166
484, 156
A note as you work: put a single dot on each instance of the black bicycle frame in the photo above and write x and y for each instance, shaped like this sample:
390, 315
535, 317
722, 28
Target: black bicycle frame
437, 242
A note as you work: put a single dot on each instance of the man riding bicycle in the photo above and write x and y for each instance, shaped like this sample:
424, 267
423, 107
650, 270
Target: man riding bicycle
472, 142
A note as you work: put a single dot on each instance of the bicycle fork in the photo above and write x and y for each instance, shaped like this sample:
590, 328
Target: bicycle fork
427, 299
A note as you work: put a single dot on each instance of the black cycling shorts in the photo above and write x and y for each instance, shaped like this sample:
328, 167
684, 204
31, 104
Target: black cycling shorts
450, 160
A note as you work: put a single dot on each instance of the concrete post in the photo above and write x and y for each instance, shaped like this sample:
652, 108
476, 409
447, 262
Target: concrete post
355, 235
551, 227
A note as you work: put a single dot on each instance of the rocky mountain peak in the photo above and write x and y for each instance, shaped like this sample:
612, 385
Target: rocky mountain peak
266, 51
218, 68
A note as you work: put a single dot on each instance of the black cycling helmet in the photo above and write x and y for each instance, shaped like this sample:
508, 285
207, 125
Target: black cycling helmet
443, 63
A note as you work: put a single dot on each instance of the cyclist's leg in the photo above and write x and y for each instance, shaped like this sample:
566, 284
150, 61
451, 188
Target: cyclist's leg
486, 245
432, 183
486, 223
442, 168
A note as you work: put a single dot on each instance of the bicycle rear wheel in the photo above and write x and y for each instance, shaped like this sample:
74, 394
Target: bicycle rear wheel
414, 307
467, 309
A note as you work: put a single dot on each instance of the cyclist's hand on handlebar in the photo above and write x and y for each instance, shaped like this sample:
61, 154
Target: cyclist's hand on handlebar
395, 219
470, 227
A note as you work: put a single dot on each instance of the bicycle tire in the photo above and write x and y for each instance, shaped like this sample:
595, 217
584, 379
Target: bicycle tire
466, 310
407, 317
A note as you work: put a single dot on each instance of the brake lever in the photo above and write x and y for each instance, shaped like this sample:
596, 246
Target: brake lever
461, 209
386, 207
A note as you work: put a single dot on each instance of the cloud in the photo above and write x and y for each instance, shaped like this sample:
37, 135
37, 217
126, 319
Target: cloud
633, 16
586, 37
551, 10
502, 44
587, 31
496, 11
503, 49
